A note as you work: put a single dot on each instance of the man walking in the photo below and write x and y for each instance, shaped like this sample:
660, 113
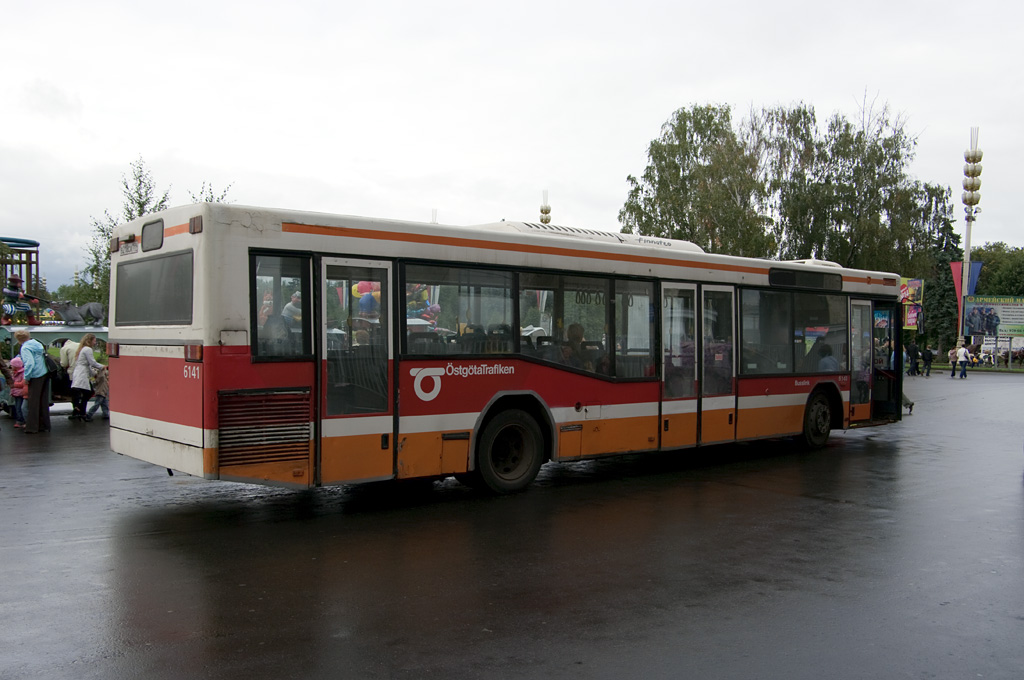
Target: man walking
927, 356
912, 357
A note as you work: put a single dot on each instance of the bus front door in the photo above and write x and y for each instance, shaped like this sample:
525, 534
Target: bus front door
717, 366
356, 414
887, 387
862, 358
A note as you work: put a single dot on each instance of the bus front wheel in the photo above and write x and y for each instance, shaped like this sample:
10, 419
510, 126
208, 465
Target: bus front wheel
817, 421
511, 452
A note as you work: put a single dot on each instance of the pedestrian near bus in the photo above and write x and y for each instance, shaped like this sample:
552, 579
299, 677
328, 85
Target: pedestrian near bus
6, 385
85, 367
37, 407
18, 391
67, 355
101, 395
61, 384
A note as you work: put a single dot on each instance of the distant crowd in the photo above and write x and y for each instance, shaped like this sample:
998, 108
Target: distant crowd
33, 379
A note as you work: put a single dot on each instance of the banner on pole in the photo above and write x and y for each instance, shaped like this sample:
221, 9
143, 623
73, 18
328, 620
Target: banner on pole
958, 268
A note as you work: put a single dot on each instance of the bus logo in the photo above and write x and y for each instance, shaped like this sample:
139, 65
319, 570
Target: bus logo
420, 374
470, 371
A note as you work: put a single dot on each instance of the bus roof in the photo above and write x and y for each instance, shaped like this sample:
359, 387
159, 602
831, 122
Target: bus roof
656, 250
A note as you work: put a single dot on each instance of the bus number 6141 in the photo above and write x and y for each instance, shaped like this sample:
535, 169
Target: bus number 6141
191, 371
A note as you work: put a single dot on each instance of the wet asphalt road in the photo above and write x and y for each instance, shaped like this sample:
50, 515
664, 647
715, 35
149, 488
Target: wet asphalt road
896, 552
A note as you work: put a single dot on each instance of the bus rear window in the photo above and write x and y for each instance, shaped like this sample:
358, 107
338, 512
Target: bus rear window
156, 291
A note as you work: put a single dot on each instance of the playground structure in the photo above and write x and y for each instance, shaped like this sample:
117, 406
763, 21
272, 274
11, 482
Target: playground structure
20, 258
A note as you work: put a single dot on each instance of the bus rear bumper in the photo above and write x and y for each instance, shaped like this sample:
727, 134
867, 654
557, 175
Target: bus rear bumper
162, 452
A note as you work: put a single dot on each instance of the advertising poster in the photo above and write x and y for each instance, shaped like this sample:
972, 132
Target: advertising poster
912, 297
994, 315
911, 316
911, 291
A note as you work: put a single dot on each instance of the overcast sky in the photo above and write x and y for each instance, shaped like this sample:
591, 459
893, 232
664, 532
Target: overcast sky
394, 109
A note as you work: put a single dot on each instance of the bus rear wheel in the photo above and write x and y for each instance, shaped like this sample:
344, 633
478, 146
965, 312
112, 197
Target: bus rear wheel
511, 452
817, 421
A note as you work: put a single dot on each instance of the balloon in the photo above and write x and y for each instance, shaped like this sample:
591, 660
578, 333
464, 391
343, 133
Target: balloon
368, 304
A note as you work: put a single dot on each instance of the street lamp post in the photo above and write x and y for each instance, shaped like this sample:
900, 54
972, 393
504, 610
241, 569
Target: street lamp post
971, 198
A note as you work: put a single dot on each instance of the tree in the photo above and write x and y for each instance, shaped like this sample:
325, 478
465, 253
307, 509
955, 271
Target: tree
1003, 270
784, 141
139, 199
700, 185
861, 172
940, 305
208, 195
775, 187
78, 292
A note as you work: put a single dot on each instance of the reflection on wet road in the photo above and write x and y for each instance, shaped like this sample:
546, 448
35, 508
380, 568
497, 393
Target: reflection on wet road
895, 552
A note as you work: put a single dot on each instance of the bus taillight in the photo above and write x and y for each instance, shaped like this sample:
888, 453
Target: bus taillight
113, 350
193, 352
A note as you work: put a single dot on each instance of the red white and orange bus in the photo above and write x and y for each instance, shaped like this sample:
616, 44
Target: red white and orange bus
307, 349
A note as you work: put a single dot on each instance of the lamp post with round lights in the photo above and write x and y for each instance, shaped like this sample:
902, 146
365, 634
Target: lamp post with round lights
971, 198
545, 210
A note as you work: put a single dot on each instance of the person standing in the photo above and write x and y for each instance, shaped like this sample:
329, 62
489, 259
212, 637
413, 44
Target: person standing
952, 362
85, 367
37, 408
7, 385
912, 356
18, 391
61, 384
292, 312
67, 354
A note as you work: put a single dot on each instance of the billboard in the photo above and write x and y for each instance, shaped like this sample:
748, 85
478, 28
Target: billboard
992, 315
912, 297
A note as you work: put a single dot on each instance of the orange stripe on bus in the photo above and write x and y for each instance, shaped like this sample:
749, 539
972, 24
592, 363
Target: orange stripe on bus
450, 241
351, 232
176, 229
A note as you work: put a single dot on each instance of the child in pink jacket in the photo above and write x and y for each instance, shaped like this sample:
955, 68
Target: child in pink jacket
19, 391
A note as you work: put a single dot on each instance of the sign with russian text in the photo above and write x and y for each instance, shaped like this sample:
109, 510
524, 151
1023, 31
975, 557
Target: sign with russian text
994, 315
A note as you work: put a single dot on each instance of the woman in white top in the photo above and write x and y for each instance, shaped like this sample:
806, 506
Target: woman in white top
85, 366
963, 355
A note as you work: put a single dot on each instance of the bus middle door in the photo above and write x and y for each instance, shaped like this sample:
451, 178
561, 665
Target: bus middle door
717, 379
356, 414
679, 365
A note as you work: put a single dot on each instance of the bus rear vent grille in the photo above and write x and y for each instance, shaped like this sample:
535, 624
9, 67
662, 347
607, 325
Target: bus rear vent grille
264, 427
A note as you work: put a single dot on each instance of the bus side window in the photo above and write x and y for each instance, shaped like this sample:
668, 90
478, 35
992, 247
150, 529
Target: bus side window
280, 306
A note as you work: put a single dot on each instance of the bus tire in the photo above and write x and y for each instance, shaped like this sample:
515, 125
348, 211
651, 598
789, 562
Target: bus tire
817, 421
510, 453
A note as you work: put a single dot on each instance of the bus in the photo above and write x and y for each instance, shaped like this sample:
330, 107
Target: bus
306, 349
